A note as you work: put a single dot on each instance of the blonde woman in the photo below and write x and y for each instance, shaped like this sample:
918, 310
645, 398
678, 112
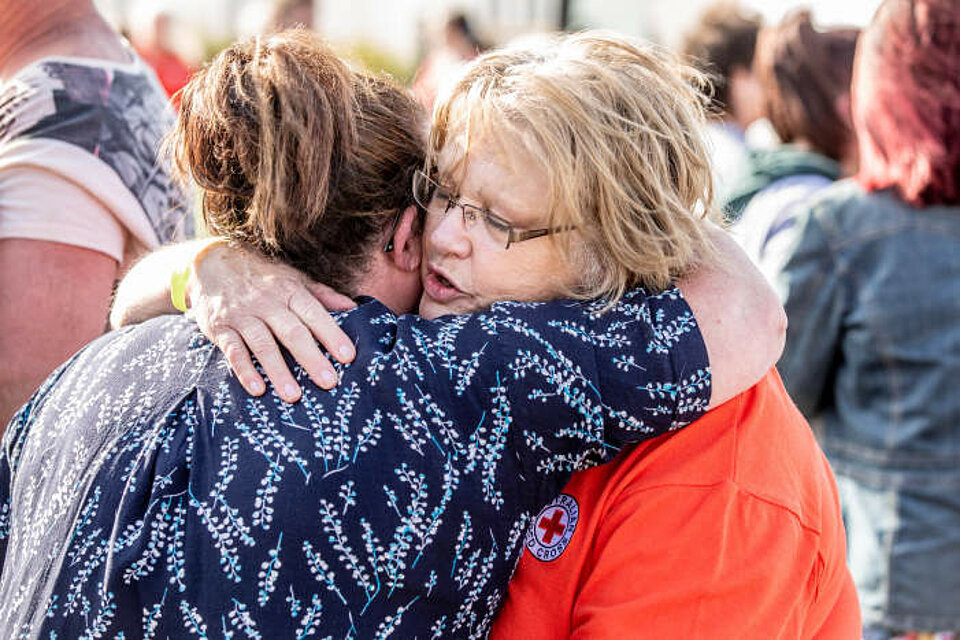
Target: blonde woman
605, 190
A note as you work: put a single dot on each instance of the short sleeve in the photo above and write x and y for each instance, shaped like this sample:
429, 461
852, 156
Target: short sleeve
39, 205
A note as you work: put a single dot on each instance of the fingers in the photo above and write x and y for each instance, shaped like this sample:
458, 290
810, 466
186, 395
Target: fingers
296, 337
241, 300
329, 298
321, 324
261, 342
231, 344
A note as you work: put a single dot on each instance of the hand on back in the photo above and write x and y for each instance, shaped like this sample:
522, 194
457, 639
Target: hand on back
245, 303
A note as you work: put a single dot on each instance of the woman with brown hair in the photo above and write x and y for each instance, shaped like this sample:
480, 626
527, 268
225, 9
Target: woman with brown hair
395, 504
804, 75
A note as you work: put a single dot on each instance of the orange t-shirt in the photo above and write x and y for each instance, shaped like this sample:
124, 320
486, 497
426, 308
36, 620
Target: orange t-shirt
728, 529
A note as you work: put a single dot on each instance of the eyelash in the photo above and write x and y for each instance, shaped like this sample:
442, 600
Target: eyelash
491, 219
488, 215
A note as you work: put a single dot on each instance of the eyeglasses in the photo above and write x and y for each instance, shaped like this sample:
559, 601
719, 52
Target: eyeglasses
494, 231
388, 247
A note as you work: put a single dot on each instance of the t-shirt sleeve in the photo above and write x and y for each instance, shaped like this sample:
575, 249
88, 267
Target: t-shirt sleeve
39, 205
696, 562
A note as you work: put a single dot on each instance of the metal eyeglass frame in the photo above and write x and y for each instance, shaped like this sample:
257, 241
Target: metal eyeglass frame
513, 236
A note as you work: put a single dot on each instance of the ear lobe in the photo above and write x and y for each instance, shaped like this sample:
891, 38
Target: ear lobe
406, 241
843, 105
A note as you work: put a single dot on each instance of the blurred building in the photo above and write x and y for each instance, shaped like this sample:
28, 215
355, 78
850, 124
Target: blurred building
395, 28
663, 21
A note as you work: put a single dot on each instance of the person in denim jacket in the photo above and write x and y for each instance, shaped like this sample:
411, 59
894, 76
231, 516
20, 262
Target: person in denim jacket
872, 292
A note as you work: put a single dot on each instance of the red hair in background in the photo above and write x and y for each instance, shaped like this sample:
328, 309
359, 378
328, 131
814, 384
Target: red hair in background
906, 101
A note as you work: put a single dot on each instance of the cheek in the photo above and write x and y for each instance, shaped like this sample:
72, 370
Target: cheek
532, 274
429, 228
493, 276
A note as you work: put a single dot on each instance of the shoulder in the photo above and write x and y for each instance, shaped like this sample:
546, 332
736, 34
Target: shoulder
133, 376
162, 356
99, 124
756, 447
848, 215
156, 342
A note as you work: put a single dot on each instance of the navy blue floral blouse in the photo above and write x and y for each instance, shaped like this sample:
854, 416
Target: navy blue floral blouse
144, 494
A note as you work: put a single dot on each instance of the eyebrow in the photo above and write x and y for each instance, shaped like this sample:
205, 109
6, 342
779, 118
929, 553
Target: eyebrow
511, 214
487, 203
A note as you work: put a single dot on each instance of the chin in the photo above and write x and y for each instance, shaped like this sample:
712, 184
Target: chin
428, 310
431, 309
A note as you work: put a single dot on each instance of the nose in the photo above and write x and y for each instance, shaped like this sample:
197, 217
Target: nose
447, 235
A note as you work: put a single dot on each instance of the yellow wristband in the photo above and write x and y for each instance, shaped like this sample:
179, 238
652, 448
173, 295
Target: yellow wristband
178, 287
180, 277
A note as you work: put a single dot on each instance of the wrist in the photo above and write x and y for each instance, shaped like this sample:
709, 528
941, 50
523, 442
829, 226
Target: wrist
183, 281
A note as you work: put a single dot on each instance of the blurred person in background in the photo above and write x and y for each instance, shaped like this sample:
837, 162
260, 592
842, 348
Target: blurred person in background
872, 291
153, 40
722, 44
454, 45
396, 503
81, 191
804, 74
288, 14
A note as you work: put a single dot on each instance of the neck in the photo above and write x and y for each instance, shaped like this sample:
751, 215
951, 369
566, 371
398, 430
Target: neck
398, 290
30, 31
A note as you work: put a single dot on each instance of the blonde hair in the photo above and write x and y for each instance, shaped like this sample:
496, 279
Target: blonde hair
618, 126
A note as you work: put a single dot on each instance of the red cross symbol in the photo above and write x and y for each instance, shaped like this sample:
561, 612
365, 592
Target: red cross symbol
553, 526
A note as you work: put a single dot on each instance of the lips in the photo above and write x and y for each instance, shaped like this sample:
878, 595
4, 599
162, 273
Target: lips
439, 288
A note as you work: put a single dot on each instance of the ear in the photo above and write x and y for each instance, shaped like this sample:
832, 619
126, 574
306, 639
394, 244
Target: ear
406, 254
843, 104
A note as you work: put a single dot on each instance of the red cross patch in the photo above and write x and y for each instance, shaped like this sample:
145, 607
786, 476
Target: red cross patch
551, 531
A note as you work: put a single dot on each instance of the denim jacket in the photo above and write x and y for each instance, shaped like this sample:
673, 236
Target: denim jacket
872, 292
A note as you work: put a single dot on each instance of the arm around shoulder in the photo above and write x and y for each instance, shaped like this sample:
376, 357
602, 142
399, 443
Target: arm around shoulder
144, 292
740, 317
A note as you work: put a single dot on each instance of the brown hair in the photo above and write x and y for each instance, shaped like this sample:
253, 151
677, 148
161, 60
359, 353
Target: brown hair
723, 39
802, 72
297, 156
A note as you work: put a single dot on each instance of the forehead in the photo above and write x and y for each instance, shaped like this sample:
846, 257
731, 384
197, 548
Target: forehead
498, 171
